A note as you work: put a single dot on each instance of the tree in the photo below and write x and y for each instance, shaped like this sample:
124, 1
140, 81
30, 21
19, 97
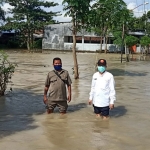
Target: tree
147, 23
78, 11
6, 71
106, 16
2, 12
29, 16
131, 40
145, 41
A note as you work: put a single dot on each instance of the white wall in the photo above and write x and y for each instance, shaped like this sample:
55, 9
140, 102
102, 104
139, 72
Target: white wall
89, 47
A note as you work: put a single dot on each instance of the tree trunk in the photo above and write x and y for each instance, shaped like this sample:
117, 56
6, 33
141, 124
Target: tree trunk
28, 44
123, 32
146, 50
101, 43
28, 34
32, 41
106, 39
101, 40
127, 53
76, 74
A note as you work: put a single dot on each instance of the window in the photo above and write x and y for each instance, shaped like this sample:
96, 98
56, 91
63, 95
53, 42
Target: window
68, 39
78, 39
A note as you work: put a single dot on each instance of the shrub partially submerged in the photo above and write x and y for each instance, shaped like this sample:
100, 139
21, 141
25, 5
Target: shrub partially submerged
6, 71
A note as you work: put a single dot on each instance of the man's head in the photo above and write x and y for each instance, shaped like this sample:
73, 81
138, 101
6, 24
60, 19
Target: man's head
56, 59
57, 64
102, 64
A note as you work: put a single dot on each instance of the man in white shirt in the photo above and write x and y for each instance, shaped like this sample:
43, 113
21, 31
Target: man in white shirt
102, 93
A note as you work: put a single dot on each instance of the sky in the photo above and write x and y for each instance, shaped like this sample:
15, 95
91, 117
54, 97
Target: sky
135, 5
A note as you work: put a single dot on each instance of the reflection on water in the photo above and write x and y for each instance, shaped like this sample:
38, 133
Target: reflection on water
22, 111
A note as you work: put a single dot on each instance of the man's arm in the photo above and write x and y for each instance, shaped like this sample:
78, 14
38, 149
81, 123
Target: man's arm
45, 94
69, 92
112, 94
69, 87
47, 84
91, 94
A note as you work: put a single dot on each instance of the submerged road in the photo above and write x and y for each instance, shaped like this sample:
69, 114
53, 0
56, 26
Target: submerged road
24, 125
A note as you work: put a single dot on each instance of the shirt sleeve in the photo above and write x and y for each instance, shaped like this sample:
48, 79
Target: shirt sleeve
69, 80
91, 94
112, 94
47, 81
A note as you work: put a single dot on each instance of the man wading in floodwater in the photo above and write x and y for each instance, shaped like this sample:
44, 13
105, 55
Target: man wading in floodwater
102, 92
57, 81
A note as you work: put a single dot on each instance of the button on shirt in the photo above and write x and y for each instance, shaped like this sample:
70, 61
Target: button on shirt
57, 88
103, 89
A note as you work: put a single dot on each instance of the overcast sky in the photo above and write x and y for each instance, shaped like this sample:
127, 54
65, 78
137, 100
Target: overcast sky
131, 4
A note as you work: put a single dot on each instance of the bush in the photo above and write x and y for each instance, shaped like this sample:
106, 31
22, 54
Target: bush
6, 71
16, 43
37, 44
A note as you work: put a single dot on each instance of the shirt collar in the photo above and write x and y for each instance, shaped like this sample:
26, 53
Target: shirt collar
102, 74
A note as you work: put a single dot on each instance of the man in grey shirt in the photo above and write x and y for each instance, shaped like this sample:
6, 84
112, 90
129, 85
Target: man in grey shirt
57, 82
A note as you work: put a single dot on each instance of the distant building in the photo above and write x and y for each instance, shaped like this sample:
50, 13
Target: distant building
59, 37
5, 36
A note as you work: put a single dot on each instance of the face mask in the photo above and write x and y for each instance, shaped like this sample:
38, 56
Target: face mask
57, 67
101, 69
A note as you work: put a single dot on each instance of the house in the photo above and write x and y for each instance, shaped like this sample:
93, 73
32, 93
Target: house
138, 34
5, 36
59, 37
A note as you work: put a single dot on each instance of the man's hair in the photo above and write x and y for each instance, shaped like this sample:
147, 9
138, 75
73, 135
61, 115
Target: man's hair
56, 58
101, 62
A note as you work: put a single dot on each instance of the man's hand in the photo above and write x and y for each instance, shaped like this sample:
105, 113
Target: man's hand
111, 106
90, 102
69, 98
45, 100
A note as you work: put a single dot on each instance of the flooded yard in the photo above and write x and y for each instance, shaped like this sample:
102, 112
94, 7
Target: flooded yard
24, 125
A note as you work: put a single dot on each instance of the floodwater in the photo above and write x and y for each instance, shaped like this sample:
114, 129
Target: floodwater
24, 125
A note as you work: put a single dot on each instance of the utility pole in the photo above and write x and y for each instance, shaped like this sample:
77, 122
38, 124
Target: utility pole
122, 46
145, 23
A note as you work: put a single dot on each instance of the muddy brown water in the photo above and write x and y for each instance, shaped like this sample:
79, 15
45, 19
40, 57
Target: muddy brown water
24, 125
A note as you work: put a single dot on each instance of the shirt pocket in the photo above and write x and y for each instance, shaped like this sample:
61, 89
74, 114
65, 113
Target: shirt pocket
53, 81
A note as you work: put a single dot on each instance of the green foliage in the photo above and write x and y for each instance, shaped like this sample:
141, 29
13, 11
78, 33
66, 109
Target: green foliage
145, 41
16, 43
37, 44
6, 71
29, 16
131, 40
78, 10
12, 43
118, 41
106, 15
118, 38
2, 14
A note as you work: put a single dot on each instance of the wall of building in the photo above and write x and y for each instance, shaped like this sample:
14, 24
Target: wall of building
90, 47
59, 37
54, 38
